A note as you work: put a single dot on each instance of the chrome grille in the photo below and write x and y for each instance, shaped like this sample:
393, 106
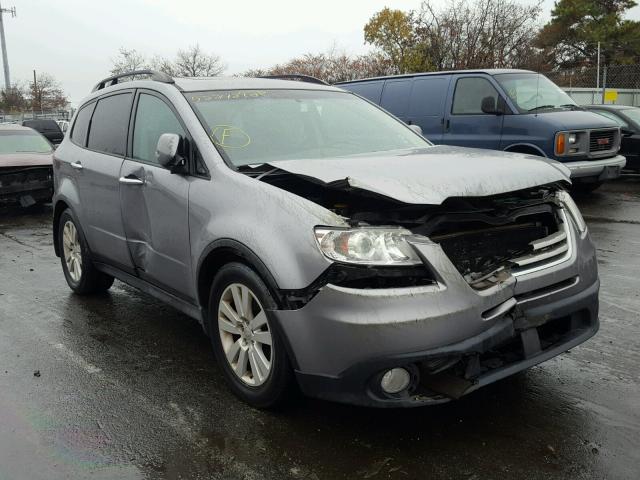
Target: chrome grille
547, 251
602, 140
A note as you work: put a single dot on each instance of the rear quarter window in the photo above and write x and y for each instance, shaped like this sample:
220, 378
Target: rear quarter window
395, 96
109, 124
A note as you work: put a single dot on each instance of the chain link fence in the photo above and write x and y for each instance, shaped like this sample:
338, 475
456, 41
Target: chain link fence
619, 84
17, 117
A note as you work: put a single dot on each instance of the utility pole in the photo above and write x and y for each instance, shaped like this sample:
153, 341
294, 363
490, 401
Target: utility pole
598, 69
5, 60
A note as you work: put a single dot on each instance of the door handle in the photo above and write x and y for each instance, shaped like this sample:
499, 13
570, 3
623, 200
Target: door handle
131, 181
76, 165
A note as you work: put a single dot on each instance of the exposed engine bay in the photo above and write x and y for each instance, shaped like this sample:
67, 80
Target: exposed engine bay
480, 235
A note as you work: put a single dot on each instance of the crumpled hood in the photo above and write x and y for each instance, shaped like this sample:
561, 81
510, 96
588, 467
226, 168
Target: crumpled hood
25, 159
431, 175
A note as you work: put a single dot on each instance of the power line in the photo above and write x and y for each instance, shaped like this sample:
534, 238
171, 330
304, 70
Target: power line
5, 60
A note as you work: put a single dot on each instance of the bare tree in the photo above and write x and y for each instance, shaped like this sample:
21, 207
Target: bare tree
332, 66
13, 98
193, 62
46, 94
483, 34
128, 60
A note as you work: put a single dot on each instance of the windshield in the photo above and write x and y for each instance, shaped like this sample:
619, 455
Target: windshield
532, 92
633, 114
258, 126
23, 141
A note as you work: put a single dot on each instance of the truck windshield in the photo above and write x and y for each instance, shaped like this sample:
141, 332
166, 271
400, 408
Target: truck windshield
23, 141
258, 126
532, 92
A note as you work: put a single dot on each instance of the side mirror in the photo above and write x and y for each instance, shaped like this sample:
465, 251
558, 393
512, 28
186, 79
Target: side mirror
489, 106
167, 150
416, 128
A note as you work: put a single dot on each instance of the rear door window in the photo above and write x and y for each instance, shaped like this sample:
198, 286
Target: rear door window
81, 125
395, 96
470, 91
109, 124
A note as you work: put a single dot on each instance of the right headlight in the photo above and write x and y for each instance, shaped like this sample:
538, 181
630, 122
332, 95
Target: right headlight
572, 208
367, 246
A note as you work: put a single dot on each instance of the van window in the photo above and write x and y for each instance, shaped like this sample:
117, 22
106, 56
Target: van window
81, 125
469, 93
369, 90
395, 96
108, 132
153, 118
428, 96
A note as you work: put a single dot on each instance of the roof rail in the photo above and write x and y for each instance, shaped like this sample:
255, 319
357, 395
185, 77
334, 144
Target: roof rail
113, 80
298, 77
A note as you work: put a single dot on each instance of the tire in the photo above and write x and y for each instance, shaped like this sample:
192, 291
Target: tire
583, 188
81, 275
238, 343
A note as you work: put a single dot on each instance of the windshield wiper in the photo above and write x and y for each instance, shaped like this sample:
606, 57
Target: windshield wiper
540, 107
572, 106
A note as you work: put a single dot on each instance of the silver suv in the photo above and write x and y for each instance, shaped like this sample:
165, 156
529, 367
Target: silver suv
323, 244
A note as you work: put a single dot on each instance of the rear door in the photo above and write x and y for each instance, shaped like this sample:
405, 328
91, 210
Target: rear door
97, 173
155, 202
369, 90
427, 105
465, 122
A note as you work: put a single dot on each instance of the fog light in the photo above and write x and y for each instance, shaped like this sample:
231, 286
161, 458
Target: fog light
395, 380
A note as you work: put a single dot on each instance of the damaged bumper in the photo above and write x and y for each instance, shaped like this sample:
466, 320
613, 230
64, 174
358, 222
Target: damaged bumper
26, 186
451, 338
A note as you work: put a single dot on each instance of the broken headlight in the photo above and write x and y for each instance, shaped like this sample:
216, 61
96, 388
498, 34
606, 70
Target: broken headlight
367, 246
568, 203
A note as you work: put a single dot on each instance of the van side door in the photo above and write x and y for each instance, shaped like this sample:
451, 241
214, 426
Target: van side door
155, 201
395, 97
427, 105
466, 124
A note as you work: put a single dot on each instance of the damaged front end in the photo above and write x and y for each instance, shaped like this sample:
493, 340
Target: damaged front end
504, 282
26, 185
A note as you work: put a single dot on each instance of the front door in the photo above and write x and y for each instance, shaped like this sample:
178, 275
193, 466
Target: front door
466, 125
155, 202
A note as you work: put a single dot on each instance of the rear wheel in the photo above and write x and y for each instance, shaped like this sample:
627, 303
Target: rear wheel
79, 271
247, 346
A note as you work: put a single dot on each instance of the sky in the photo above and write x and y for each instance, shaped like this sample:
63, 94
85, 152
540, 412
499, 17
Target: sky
76, 40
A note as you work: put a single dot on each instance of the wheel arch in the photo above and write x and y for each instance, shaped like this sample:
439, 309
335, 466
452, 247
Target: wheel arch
59, 207
222, 252
526, 148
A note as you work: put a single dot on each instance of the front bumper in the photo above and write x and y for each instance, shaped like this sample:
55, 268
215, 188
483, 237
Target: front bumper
599, 170
344, 339
27, 186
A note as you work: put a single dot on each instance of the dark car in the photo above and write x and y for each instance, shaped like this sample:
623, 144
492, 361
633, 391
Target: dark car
49, 128
629, 120
25, 166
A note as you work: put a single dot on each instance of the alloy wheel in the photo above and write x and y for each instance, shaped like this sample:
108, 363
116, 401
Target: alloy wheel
245, 334
72, 251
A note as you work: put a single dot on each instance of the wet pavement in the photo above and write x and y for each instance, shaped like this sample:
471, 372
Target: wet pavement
121, 386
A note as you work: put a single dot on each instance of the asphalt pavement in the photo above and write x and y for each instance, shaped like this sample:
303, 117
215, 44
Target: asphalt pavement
121, 386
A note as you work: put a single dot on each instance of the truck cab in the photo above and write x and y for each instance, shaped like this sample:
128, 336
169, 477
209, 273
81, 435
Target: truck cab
511, 110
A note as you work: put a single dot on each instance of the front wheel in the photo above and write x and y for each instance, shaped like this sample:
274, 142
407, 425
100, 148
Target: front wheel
80, 273
246, 343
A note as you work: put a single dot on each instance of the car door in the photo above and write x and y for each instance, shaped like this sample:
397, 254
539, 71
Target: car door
155, 202
427, 105
97, 169
395, 97
465, 123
